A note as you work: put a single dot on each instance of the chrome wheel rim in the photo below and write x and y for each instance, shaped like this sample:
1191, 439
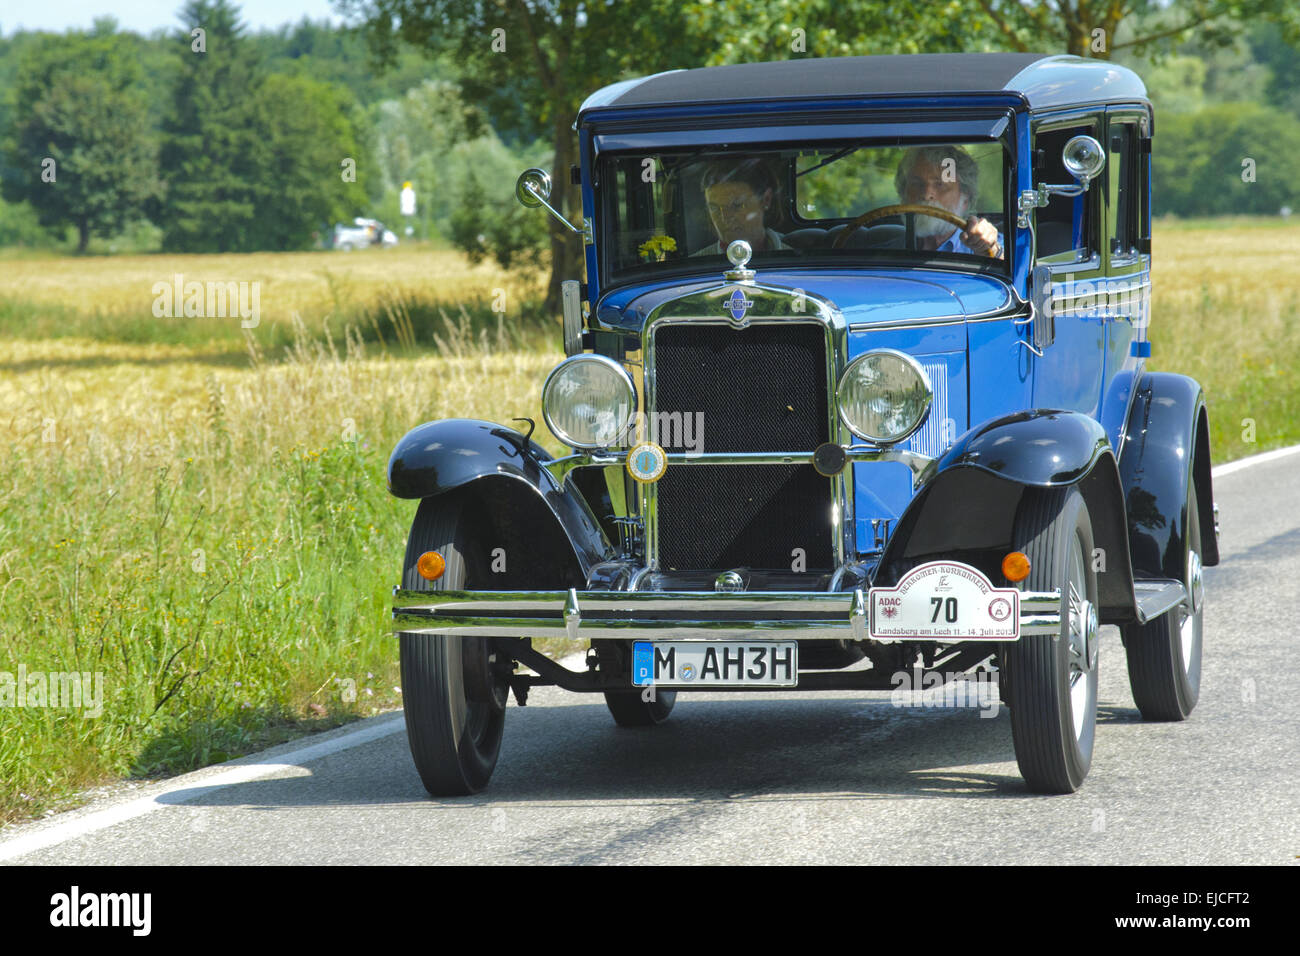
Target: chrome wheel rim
1083, 628
1189, 626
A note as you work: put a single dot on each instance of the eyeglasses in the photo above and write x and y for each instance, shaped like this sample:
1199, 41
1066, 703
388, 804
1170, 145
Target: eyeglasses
733, 207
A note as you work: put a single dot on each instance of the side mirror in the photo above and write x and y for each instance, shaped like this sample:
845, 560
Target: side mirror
1044, 331
533, 188
1083, 159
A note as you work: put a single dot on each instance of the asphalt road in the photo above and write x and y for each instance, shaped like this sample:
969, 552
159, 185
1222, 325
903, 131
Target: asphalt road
786, 777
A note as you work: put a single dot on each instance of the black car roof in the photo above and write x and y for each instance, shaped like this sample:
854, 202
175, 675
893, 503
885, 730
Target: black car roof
1041, 79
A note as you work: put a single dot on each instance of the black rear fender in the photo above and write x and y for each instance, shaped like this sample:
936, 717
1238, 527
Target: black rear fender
1166, 448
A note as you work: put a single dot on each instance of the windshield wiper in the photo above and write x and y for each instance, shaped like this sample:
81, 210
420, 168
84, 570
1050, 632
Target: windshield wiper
832, 158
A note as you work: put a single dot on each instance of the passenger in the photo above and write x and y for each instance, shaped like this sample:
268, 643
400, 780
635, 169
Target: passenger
739, 195
920, 179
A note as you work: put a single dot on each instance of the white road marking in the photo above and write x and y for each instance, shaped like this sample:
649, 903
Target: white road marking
1226, 469
193, 785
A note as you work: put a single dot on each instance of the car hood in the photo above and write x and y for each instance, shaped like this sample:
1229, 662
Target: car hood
864, 298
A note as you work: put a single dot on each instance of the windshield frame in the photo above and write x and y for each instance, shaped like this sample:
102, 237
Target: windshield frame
892, 131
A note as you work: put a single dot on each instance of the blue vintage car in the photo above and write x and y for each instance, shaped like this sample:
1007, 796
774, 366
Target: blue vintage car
855, 391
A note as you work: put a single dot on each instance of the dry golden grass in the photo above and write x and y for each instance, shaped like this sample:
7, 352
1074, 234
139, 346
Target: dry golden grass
306, 282
1226, 311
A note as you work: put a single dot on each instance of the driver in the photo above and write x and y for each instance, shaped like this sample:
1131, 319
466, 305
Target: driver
946, 176
738, 196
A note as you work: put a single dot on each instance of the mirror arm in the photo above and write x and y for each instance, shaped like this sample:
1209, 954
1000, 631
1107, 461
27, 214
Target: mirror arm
551, 209
1038, 197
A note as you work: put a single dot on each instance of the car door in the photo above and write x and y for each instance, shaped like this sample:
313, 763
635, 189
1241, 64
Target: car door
1067, 235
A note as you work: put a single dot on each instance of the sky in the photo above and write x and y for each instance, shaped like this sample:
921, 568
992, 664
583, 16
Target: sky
143, 16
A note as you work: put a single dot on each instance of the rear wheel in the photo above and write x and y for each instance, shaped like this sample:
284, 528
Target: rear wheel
631, 709
454, 689
1052, 678
1164, 655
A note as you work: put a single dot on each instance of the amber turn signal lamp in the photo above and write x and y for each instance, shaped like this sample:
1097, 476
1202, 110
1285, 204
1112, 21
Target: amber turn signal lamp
1015, 566
431, 565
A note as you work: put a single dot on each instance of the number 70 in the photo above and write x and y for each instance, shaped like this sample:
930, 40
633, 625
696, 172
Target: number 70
949, 608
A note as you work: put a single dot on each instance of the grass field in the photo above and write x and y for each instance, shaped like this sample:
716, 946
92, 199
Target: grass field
1226, 311
199, 514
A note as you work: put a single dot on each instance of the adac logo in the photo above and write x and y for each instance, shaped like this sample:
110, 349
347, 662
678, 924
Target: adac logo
647, 462
738, 305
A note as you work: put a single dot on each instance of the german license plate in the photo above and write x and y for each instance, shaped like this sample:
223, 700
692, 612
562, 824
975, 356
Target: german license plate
715, 664
947, 601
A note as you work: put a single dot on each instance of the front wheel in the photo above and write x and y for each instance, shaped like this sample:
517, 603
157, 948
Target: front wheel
454, 688
1052, 678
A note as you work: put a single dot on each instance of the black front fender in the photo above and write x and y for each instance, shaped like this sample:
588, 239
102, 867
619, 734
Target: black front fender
1043, 447
967, 509
438, 457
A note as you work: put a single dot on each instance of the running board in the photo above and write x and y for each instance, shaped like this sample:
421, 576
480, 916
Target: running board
1155, 596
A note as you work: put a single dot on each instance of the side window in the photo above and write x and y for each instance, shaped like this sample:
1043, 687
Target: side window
1064, 227
1122, 190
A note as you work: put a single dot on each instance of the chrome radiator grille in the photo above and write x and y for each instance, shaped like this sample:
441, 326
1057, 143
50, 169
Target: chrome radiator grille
761, 388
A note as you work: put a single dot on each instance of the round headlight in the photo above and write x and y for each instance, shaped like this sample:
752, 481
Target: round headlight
588, 401
883, 396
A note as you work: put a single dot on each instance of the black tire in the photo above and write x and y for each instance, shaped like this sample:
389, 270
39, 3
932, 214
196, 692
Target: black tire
1164, 655
630, 710
1052, 678
454, 695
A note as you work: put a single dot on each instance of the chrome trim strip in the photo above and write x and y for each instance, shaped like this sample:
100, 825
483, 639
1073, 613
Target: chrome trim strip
1093, 262
1108, 295
916, 462
937, 321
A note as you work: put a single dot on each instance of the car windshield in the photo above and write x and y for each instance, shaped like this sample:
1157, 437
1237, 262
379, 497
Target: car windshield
839, 202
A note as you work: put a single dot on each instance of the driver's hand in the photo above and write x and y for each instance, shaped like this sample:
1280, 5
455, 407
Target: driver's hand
981, 236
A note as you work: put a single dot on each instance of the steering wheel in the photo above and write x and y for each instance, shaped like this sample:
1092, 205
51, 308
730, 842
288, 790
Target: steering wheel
938, 212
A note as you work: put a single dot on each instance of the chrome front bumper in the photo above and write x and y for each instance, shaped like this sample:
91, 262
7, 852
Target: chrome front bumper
666, 615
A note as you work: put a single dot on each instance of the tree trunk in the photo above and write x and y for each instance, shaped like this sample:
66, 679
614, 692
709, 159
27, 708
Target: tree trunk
567, 250
83, 235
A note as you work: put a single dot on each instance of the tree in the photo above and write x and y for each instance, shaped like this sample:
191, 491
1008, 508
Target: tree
1092, 27
1231, 158
253, 161
545, 56
81, 150
483, 225
304, 153
208, 147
